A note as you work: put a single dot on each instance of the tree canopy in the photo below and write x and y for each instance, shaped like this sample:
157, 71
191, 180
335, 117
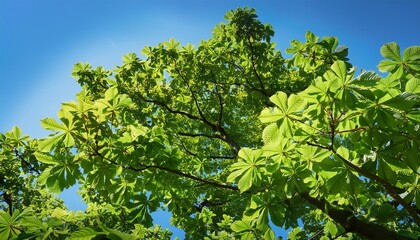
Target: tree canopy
232, 138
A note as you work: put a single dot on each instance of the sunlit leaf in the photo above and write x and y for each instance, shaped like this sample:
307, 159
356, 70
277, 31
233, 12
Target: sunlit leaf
392, 51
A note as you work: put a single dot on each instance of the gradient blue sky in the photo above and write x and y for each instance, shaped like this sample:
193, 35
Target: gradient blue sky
40, 40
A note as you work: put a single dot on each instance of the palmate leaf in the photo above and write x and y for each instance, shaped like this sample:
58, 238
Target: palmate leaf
15, 135
286, 106
62, 174
62, 177
264, 208
247, 169
318, 91
393, 63
277, 152
64, 133
413, 192
139, 210
288, 109
244, 228
10, 226
310, 154
113, 101
341, 84
171, 44
396, 65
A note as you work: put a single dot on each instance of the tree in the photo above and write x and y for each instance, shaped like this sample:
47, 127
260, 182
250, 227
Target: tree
231, 138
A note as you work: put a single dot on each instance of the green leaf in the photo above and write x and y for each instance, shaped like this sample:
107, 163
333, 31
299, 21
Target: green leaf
68, 140
241, 226
249, 155
411, 54
15, 135
84, 234
387, 65
247, 170
404, 101
52, 124
287, 107
331, 228
111, 94
137, 131
245, 182
269, 115
392, 51
294, 104
5, 233
44, 158
269, 235
413, 85
337, 183
46, 144
386, 172
367, 79
271, 133
171, 44
114, 234
340, 70
280, 99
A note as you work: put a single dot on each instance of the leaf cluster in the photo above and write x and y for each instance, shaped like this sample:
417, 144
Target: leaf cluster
231, 138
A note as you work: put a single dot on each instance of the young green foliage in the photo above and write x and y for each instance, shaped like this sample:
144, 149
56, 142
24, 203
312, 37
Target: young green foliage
232, 139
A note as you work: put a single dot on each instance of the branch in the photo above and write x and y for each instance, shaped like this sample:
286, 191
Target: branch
316, 234
218, 136
351, 224
199, 206
187, 175
393, 191
186, 114
8, 199
343, 217
215, 127
221, 103
211, 156
318, 145
30, 167
192, 95
175, 171
254, 69
346, 131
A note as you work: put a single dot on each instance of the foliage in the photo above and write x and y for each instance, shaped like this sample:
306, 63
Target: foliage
232, 139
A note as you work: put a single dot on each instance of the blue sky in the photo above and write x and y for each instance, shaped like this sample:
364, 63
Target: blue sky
40, 40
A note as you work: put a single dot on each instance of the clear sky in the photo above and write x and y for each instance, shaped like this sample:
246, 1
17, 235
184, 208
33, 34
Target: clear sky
40, 40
